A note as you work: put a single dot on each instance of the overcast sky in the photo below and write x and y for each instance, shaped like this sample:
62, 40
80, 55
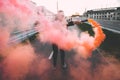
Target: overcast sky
73, 6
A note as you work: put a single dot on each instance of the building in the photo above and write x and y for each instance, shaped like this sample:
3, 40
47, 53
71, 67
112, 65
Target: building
104, 13
47, 13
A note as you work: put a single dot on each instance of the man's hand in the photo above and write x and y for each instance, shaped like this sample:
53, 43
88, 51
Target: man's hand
77, 22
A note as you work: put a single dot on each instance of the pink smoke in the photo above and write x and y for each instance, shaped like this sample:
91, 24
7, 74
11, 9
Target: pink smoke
4, 37
55, 33
17, 15
40, 66
21, 61
87, 44
83, 69
18, 62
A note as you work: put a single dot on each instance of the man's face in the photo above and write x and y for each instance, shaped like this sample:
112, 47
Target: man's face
60, 15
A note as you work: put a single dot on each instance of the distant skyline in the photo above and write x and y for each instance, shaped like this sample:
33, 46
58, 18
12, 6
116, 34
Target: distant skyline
76, 6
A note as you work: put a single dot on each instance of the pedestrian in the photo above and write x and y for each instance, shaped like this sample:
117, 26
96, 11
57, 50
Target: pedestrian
61, 19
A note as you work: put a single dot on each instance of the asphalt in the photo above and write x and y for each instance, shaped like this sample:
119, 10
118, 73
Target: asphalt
110, 25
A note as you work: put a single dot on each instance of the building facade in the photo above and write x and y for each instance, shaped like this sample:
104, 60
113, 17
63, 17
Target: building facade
104, 13
47, 13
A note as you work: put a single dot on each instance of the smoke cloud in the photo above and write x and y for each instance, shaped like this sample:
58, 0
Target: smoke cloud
68, 40
106, 69
20, 62
16, 61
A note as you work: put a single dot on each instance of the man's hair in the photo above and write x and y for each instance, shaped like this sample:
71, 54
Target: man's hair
60, 11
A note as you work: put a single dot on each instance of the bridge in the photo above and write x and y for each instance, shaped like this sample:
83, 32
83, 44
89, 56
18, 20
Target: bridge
113, 26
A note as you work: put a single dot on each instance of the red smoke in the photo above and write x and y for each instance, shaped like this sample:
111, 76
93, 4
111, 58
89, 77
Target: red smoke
4, 37
81, 70
17, 15
22, 7
67, 40
21, 60
87, 43
40, 66
106, 70
54, 33
17, 63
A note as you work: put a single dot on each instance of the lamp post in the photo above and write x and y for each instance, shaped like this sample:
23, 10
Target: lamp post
57, 6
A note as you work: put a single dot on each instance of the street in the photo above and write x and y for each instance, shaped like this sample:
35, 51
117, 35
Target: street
110, 25
98, 66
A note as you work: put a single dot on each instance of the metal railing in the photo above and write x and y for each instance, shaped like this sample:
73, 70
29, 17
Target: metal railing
20, 36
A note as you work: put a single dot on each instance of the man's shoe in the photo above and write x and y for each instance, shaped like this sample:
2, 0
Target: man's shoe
54, 68
64, 66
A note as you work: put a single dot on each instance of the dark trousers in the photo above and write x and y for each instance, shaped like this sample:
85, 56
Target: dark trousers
55, 53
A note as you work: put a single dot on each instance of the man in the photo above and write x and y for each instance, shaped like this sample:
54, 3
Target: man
61, 19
